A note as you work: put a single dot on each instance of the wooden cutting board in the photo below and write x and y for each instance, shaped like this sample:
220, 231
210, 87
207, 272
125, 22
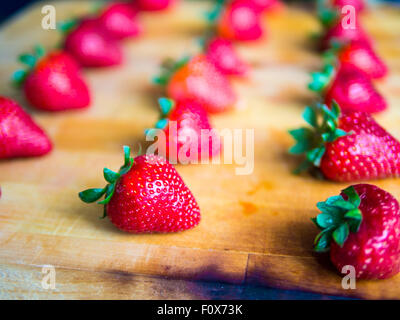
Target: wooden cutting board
255, 228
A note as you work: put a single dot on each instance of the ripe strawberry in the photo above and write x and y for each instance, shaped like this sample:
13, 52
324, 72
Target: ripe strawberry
90, 45
184, 124
266, 5
338, 33
146, 195
221, 53
351, 88
20, 136
53, 81
358, 5
361, 228
348, 147
198, 79
119, 20
240, 20
362, 56
153, 5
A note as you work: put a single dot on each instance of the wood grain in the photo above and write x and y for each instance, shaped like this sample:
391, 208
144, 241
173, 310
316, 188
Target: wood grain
255, 228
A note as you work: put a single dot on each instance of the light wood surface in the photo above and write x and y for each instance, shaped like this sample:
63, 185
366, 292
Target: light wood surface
255, 229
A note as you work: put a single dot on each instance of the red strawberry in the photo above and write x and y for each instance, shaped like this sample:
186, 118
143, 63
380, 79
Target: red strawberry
222, 54
363, 57
240, 20
266, 5
19, 135
350, 88
361, 228
89, 44
358, 5
146, 195
198, 79
184, 124
119, 20
348, 147
53, 81
153, 5
338, 33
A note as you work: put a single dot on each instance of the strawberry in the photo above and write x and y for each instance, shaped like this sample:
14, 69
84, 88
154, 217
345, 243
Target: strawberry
20, 136
222, 54
338, 33
184, 124
198, 79
358, 5
266, 5
361, 56
350, 87
240, 20
53, 81
346, 147
361, 228
153, 5
146, 195
119, 20
90, 45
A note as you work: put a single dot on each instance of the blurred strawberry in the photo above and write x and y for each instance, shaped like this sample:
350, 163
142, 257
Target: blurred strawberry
120, 21
20, 136
363, 57
184, 124
267, 5
53, 81
240, 20
198, 79
222, 54
351, 88
153, 5
340, 33
90, 45
358, 5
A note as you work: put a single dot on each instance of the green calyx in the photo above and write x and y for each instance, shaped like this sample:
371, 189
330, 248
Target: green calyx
92, 195
29, 60
326, 14
168, 68
67, 26
166, 106
312, 140
330, 56
215, 12
321, 80
337, 219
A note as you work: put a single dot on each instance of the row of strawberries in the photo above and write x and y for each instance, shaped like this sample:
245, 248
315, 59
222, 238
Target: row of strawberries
147, 194
53, 81
361, 226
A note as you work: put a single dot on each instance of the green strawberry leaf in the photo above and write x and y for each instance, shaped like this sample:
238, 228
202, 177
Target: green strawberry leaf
341, 233
339, 217
110, 175
166, 105
91, 195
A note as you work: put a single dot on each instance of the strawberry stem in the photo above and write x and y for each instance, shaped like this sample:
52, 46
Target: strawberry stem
337, 219
30, 60
92, 195
326, 15
321, 80
168, 68
311, 141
